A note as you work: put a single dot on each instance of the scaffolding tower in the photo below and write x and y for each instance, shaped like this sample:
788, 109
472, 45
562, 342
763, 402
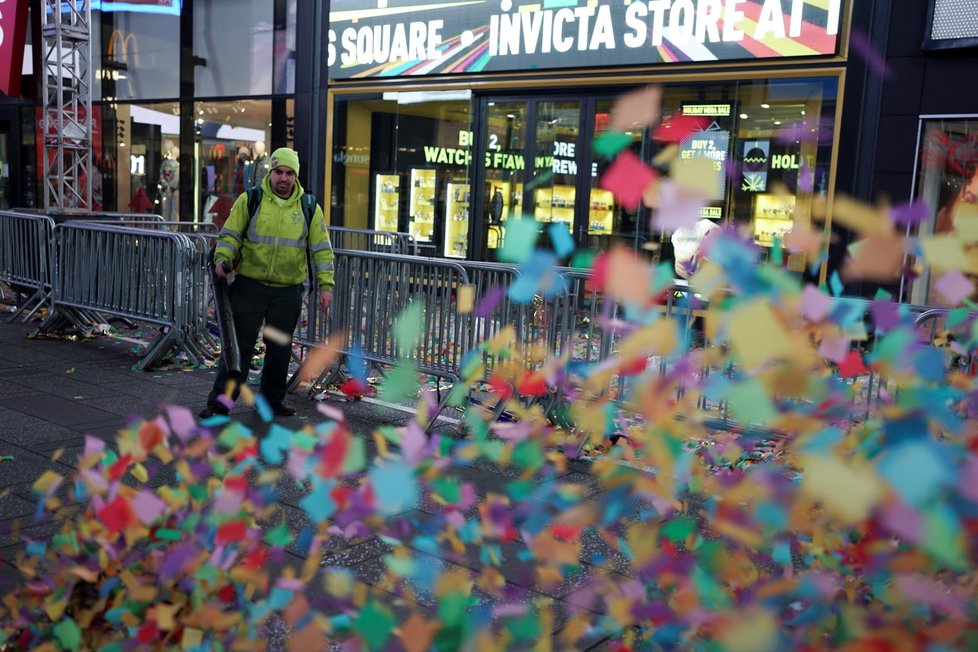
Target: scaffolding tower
67, 118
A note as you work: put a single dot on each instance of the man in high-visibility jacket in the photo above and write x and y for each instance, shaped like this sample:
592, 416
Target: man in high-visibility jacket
268, 253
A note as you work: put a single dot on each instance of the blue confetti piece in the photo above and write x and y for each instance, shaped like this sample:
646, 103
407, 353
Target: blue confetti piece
395, 488
264, 409
917, 471
355, 363
304, 540
561, 239
275, 443
835, 283
318, 504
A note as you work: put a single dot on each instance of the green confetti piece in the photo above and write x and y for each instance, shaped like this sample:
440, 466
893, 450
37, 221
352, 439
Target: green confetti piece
278, 536
374, 625
943, 538
528, 454
519, 489
69, 634
400, 384
583, 259
679, 528
304, 440
750, 403
407, 328
543, 178
519, 241
168, 535
525, 627
199, 492
451, 608
957, 317
610, 143
206, 573
448, 488
356, 456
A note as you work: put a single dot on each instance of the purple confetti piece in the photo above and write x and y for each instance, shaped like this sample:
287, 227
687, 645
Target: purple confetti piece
861, 46
489, 301
909, 214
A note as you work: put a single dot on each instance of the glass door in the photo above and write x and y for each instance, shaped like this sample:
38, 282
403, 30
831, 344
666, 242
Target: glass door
504, 161
531, 159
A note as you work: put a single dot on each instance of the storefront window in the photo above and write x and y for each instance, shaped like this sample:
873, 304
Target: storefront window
401, 163
761, 152
139, 57
232, 154
947, 183
253, 52
136, 158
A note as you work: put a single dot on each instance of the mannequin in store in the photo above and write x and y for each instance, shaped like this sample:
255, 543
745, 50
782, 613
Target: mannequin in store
170, 184
241, 170
259, 165
496, 206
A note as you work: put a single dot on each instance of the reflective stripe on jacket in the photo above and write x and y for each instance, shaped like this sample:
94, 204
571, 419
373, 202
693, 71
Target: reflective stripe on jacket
271, 247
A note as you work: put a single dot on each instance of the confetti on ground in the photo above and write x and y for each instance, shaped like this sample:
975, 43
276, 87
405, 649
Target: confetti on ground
768, 474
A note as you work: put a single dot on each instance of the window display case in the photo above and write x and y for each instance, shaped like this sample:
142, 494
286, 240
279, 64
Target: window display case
773, 216
601, 215
555, 204
457, 219
387, 197
421, 208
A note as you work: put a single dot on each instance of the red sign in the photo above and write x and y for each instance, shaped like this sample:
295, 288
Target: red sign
13, 31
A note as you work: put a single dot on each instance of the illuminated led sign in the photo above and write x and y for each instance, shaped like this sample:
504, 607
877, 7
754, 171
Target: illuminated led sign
399, 38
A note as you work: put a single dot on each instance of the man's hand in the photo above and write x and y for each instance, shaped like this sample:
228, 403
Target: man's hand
223, 269
325, 299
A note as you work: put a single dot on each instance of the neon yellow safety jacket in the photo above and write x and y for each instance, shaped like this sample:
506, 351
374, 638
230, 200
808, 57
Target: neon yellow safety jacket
273, 250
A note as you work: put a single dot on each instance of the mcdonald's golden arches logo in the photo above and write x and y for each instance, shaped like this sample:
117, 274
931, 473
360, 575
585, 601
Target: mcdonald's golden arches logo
121, 48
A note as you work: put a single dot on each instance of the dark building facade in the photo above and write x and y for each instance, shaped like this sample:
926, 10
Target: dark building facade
445, 120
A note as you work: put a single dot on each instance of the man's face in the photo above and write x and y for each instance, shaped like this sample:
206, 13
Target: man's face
282, 181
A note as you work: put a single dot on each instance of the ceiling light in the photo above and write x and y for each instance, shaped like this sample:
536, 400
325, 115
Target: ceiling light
803, 111
744, 116
777, 122
510, 116
765, 105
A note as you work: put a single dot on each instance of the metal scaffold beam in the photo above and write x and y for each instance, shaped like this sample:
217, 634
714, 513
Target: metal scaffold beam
67, 119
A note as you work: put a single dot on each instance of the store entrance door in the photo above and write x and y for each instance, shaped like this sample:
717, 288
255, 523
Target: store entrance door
532, 161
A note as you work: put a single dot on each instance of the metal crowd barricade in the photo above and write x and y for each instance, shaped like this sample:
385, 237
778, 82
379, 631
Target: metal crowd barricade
137, 274
373, 289
351, 239
25, 256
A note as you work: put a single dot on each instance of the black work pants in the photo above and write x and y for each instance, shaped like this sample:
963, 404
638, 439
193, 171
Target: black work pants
253, 303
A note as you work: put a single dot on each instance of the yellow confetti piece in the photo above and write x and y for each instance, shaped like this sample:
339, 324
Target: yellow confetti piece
755, 630
191, 638
846, 492
139, 472
947, 252
466, 299
859, 217
697, 174
276, 336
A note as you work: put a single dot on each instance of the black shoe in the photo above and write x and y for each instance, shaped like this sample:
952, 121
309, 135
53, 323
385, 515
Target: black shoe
212, 409
280, 409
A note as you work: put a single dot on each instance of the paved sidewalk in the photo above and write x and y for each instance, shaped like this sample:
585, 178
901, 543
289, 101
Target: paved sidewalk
53, 392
